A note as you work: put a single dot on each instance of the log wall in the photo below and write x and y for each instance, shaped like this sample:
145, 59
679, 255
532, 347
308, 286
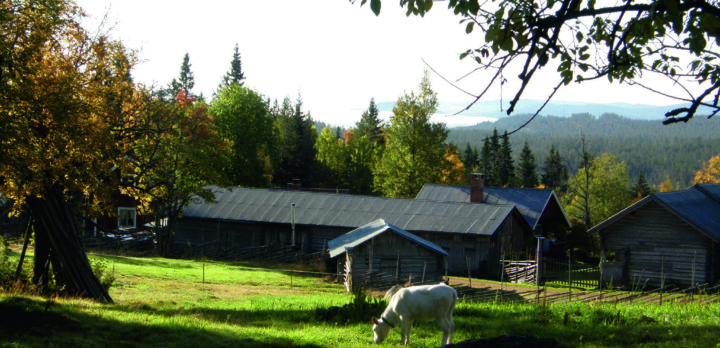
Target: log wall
652, 243
396, 256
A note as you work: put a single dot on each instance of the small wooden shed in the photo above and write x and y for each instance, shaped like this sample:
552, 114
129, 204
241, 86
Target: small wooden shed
381, 250
665, 238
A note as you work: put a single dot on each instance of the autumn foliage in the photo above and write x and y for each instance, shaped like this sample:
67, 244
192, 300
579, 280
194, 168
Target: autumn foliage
72, 123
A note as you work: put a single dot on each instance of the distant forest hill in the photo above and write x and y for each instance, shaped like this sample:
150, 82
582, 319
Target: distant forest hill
660, 152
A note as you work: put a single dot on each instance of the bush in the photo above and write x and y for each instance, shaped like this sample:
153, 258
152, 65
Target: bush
99, 268
7, 268
360, 309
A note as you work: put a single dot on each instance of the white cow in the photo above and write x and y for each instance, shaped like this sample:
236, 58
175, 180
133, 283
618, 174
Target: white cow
426, 302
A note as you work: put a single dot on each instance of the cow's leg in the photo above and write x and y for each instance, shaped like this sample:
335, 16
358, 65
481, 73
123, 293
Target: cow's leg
447, 331
452, 328
405, 331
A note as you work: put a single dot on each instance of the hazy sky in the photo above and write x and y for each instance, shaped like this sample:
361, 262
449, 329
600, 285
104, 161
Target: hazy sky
334, 54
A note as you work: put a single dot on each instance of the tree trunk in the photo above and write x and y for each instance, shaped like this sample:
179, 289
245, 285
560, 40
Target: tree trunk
57, 240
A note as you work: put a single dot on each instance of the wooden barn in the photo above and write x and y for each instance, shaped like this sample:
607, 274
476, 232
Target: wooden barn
475, 236
541, 208
665, 238
381, 249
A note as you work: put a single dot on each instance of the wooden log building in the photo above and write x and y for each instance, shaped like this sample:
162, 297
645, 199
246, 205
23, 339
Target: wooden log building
474, 235
665, 239
377, 251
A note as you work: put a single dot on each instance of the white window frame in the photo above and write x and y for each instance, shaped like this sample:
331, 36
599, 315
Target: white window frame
133, 215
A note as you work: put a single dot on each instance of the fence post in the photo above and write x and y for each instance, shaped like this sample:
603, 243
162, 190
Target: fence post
423, 277
662, 277
569, 275
538, 261
600, 268
467, 263
692, 279
397, 266
502, 270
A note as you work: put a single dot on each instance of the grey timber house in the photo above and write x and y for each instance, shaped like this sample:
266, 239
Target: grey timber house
475, 236
382, 248
665, 238
541, 208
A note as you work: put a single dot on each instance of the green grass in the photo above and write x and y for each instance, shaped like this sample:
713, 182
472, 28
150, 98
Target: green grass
164, 303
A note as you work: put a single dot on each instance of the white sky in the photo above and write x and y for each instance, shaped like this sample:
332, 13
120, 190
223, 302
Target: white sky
334, 54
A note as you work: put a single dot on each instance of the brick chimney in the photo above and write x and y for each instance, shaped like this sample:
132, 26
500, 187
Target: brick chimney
477, 186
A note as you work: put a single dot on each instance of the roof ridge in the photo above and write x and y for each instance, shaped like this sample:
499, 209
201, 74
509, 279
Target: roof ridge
701, 188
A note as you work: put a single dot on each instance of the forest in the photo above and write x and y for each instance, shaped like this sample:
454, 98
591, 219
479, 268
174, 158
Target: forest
660, 151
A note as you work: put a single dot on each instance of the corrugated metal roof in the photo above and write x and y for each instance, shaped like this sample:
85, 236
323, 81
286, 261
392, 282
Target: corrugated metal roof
530, 202
698, 205
327, 209
371, 230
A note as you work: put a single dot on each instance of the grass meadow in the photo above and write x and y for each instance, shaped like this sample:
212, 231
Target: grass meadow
179, 303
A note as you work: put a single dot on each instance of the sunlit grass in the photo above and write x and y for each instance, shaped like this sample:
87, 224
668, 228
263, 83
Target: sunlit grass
165, 303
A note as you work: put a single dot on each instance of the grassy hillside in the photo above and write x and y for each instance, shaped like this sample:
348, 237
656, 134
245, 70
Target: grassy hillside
165, 303
674, 151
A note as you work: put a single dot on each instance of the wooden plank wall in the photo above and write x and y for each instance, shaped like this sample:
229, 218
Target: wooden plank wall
385, 252
651, 241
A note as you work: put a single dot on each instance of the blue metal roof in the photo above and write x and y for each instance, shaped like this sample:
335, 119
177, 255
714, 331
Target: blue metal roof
530, 202
698, 205
340, 210
371, 230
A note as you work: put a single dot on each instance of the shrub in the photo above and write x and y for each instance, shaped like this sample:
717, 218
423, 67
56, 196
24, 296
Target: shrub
99, 268
360, 309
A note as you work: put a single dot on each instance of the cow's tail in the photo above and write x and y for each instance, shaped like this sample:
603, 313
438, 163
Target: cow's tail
389, 294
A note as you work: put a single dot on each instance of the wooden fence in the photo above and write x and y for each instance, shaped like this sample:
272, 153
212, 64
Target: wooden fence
570, 273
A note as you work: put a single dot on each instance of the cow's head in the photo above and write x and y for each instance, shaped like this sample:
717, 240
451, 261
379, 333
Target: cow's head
380, 330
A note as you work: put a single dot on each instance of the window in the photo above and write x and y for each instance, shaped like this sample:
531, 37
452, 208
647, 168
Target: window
126, 218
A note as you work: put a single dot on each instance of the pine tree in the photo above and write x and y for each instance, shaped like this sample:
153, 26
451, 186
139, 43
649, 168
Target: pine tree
555, 174
527, 171
641, 188
235, 75
369, 125
487, 159
505, 165
470, 158
297, 144
184, 83
490, 160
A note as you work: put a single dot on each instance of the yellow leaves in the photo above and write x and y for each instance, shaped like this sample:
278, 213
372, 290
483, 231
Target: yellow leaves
710, 173
62, 98
453, 170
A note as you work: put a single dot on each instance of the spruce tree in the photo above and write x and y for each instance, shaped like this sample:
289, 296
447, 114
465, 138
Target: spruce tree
528, 174
485, 158
470, 158
555, 174
641, 188
235, 75
186, 81
183, 83
488, 159
370, 125
505, 166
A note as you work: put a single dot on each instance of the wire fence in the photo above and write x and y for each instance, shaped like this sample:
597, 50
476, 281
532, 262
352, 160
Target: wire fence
564, 281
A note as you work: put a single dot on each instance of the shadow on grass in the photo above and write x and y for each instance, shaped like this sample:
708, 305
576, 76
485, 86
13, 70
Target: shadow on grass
495, 295
589, 327
31, 322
